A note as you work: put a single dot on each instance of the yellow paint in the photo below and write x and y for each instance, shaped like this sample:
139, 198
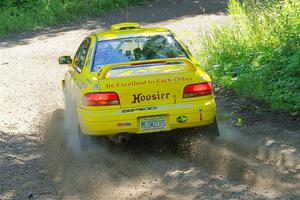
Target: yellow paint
164, 90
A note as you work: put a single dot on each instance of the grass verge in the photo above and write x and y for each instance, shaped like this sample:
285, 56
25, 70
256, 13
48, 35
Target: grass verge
25, 15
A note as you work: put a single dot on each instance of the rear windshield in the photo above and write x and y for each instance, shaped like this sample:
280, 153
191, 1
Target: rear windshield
135, 49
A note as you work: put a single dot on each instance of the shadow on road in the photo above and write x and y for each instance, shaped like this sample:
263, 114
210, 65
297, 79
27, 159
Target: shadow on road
21, 171
156, 11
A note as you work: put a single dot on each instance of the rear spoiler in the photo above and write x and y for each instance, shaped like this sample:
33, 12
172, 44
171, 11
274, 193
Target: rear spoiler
106, 68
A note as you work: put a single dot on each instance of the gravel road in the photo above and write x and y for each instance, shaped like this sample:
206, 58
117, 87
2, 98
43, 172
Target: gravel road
40, 158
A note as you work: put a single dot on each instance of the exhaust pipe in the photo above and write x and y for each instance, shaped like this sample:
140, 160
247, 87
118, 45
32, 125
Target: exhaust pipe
118, 139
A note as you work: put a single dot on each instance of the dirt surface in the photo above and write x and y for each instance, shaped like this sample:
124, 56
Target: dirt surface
255, 158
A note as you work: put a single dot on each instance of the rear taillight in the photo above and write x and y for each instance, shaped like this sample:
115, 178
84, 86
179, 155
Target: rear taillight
196, 90
148, 63
101, 99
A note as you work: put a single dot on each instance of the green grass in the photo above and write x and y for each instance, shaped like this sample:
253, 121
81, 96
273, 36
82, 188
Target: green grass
258, 54
25, 15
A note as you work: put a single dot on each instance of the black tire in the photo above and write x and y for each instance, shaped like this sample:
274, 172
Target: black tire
211, 131
91, 141
85, 141
73, 123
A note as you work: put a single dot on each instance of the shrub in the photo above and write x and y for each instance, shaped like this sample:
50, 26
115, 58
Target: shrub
258, 55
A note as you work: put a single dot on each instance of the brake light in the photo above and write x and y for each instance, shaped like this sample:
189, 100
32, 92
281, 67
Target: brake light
101, 99
148, 63
196, 90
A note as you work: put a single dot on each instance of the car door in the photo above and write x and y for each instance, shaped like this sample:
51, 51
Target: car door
77, 76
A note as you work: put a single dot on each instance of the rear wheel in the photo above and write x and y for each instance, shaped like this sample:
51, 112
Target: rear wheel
85, 141
210, 131
72, 123
90, 141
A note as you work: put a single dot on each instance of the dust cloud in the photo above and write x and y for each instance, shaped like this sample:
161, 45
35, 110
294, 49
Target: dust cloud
146, 165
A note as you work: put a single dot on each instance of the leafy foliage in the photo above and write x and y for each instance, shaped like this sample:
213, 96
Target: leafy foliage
23, 15
258, 55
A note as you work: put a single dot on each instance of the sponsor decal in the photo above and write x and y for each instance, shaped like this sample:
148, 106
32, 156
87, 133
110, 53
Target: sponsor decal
122, 124
137, 98
83, 85
89, 81
202, 77
139, 109
155, 108
182, 119
180, 79
96, 87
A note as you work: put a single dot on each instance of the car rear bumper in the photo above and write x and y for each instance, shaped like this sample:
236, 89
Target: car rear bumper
113, 122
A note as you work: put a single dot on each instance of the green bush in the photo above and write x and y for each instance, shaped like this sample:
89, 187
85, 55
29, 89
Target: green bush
23, 15
258, 54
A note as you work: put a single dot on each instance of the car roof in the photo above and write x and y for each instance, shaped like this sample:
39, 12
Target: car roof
131, 31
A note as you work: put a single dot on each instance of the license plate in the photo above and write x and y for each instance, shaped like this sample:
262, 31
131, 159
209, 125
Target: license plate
149, 124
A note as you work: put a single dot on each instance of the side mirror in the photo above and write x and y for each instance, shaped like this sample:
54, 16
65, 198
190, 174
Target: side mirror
63, 60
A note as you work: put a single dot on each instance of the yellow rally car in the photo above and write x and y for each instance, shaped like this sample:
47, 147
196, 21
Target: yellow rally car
133, 80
